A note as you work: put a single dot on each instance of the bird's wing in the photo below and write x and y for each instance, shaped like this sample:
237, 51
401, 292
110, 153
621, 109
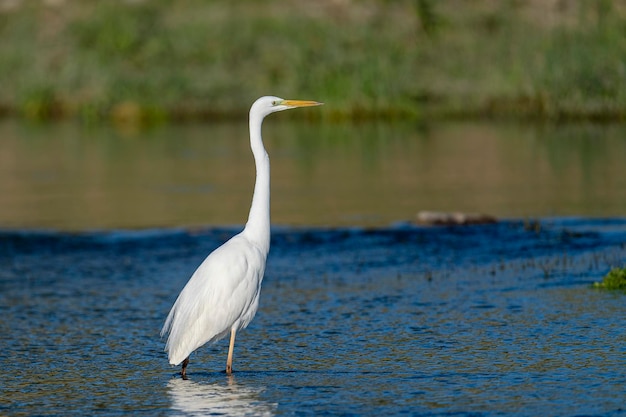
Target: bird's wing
223, 292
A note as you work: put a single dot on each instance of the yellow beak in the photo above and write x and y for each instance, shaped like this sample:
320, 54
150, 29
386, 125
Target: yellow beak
300, 103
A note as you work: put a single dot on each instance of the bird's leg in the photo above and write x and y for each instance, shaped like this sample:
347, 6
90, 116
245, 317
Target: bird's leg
183, 372
231, 347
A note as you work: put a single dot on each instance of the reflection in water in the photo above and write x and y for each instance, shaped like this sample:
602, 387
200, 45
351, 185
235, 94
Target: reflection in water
64, 177
193, 398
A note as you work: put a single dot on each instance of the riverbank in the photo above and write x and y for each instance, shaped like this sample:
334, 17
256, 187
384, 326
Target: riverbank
161, 60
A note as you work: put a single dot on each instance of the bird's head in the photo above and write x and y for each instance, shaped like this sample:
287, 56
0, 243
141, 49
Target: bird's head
270, 104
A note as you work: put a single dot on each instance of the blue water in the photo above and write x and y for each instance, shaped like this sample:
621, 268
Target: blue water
479, 320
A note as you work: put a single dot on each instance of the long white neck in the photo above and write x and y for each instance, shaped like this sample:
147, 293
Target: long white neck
257, 228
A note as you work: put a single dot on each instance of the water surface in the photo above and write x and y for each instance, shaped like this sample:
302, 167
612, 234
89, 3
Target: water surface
357, 317
481, 320
75, 178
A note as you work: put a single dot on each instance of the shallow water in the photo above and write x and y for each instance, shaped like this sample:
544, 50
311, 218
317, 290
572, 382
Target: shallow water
479, 320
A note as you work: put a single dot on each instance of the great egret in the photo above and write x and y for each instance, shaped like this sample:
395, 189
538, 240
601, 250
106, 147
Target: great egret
222, 296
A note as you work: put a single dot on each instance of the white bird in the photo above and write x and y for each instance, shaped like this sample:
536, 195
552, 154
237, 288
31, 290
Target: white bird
222, 296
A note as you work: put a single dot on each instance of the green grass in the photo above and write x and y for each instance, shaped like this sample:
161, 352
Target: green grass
164, 59
614, 280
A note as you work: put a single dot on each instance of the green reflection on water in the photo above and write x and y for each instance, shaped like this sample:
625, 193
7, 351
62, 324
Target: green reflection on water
64, 176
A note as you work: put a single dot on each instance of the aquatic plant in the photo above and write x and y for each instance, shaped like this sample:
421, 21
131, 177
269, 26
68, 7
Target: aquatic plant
615, 279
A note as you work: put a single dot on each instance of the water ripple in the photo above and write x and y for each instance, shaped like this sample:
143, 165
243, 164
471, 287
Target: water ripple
482, 320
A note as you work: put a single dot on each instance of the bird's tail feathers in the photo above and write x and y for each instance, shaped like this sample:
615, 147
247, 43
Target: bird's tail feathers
167, 325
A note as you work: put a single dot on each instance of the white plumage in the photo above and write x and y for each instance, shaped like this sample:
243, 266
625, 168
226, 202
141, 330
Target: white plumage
209, 306
222, 296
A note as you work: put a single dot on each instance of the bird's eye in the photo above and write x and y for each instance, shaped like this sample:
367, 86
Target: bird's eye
275, 103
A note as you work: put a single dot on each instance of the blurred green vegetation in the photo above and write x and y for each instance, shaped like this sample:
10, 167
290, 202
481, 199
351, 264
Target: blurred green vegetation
155, 60
615, 279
